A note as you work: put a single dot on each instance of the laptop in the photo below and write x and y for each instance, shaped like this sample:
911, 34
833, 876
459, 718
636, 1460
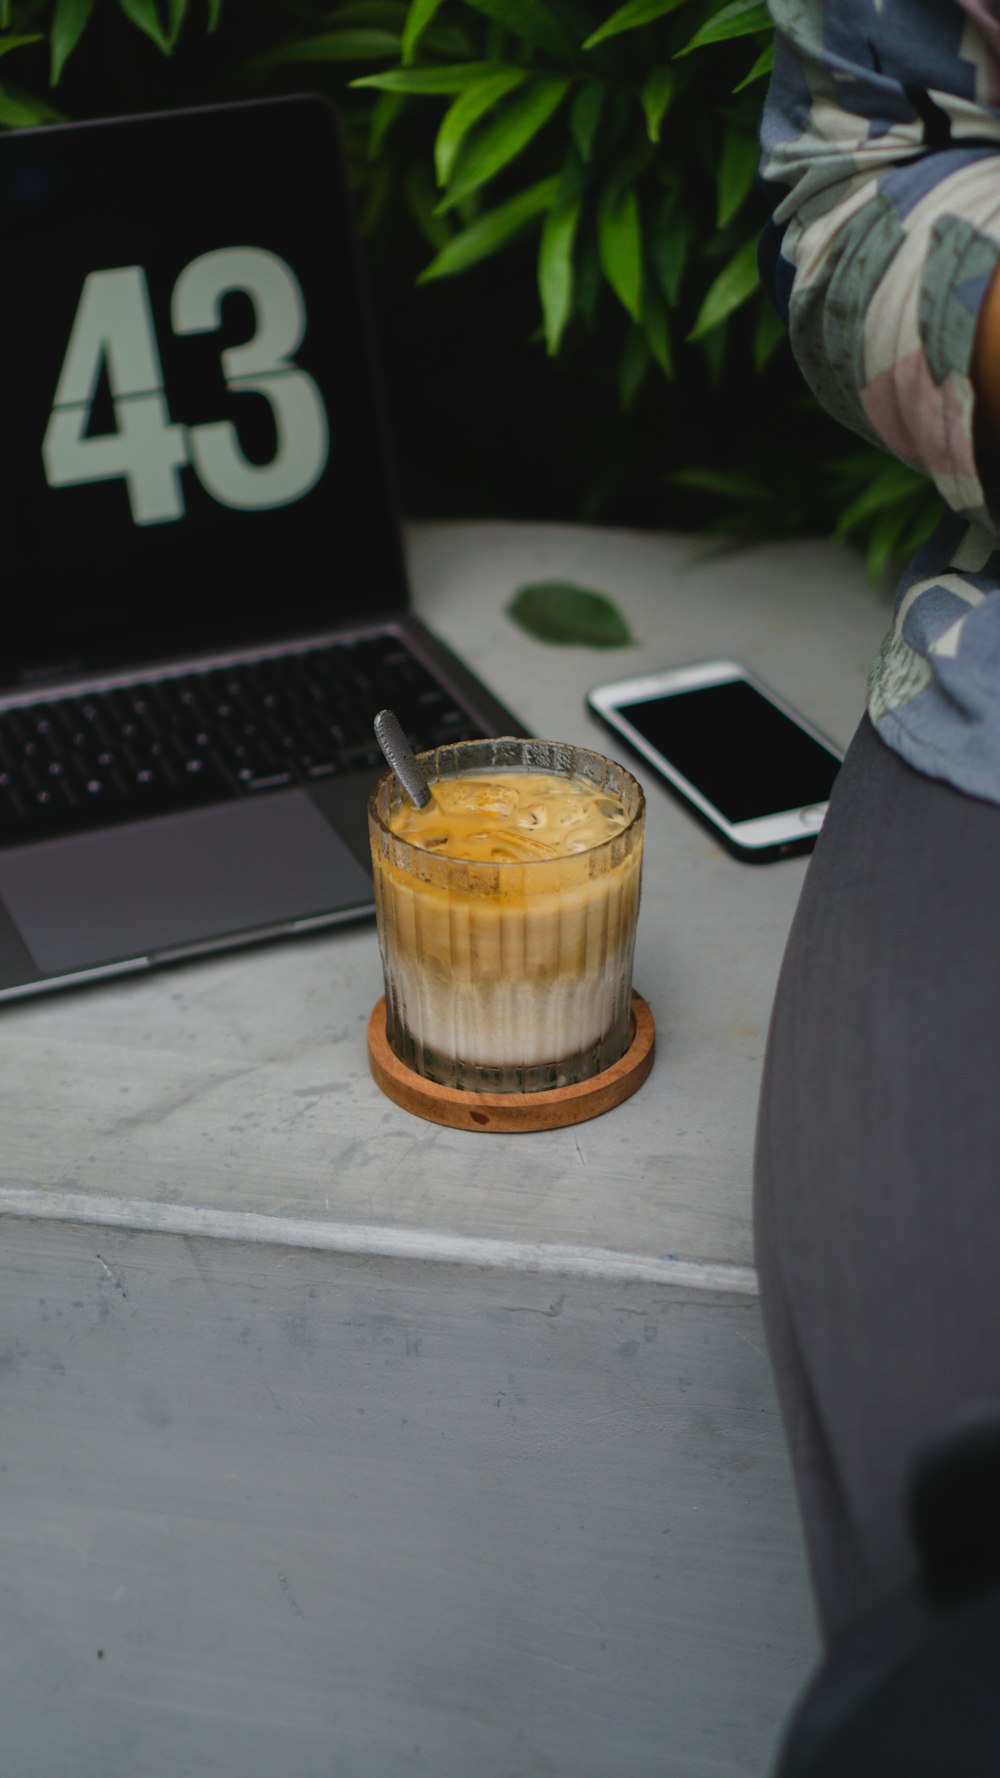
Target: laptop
204, 593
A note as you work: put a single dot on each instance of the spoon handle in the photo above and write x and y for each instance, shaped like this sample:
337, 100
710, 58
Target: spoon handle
401, 757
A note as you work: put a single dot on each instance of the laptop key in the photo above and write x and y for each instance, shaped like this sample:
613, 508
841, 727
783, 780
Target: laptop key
361, 755
11, 801
274, 781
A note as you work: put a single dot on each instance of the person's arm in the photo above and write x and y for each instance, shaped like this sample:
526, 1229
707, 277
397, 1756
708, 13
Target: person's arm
881, 148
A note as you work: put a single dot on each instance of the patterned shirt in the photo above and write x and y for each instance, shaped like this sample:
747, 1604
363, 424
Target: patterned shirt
881, 151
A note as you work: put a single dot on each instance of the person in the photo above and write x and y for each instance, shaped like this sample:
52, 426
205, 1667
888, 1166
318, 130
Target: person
877, 1172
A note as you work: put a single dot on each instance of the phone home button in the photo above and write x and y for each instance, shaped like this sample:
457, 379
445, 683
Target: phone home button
812, 818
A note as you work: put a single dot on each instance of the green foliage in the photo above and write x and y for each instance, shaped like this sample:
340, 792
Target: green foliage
69, 20
892, 512
883, 508
556, 269
610, 151
555, 611
631, 129
492, 230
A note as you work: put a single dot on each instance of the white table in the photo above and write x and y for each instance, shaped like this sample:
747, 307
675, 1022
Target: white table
337, 1443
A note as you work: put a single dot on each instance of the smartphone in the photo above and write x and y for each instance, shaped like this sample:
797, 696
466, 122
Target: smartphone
742, 760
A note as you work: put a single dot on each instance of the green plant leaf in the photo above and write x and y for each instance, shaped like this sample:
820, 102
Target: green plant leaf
489, 233
573, 179
932, 511
214, 14
768, 334
15, 42
669, 247
585, 116
451, 77
619, 242
465, 112
894, 513
421, 201
736, 282
19, 110
714, 348
68, 24
654, 321
884, 542
499, 143
418, 18
657, 92
530, 20
385, 111
146, 15
741, 18
587, 280
762, 66
555, 271
897, 481
630, 17
858, 467
556, 611
452, 43
729, 482
735, 174
633, 367
355, 43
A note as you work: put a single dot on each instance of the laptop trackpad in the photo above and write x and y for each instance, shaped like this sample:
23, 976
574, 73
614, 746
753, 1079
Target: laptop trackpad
178, 880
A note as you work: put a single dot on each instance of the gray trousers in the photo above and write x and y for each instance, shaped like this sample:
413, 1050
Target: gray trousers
877, 1195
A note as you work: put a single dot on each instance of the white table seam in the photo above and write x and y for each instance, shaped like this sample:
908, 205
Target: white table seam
371, 1241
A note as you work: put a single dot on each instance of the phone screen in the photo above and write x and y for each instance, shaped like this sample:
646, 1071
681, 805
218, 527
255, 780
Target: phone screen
743, 753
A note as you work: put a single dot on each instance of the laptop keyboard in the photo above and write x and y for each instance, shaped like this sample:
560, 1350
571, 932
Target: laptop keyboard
160, 745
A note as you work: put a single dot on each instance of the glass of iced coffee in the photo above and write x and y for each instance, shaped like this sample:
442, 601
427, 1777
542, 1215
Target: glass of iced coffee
507, 913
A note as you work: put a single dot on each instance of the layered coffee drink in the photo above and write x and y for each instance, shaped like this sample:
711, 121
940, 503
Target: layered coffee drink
507, 911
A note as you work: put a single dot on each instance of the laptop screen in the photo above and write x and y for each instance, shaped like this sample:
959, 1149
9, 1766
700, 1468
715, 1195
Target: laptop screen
190, 448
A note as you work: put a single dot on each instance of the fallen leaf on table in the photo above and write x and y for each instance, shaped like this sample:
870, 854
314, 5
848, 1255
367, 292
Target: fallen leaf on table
555, 611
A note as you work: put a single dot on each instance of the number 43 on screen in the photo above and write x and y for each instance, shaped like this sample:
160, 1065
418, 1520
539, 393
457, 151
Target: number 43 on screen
113, 328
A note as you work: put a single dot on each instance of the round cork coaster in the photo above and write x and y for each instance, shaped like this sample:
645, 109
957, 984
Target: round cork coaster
510, 1112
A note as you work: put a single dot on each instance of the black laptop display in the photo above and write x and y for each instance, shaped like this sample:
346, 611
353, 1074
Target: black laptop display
205, 598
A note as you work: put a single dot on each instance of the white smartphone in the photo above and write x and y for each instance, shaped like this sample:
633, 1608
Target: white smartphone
740, 757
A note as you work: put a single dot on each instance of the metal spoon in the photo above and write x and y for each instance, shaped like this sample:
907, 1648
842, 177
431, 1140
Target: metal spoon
401, 758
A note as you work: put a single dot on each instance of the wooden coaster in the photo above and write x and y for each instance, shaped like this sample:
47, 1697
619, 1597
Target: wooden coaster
510, 1112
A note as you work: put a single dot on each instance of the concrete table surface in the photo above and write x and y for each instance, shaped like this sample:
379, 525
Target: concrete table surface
341, 1443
